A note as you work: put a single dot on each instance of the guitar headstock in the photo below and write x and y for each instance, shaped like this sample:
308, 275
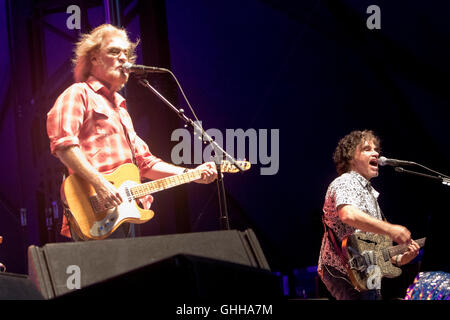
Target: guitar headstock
226, 166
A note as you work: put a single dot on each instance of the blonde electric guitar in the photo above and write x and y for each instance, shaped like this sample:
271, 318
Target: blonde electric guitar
92, 219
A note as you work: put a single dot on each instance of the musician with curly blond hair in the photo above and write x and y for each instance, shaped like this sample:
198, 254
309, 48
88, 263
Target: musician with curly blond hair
90, 129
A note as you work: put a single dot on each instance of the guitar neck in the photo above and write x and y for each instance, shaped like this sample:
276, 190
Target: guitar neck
147, 188
393, 251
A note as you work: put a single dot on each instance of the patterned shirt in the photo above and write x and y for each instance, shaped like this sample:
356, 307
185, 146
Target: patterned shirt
86, 115
351, 189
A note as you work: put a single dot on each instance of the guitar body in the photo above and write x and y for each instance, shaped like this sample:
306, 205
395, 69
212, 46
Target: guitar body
356, 244
91, 220
91, 224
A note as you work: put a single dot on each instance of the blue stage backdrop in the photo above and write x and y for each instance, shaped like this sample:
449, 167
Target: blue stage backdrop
314, 71
301, 73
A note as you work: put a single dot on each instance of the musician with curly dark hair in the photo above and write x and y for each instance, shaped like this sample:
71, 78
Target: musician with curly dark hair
346, 148
351, 206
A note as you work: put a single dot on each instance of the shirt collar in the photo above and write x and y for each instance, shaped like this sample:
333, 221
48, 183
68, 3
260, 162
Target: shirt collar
99, 87
360, 178
364, 182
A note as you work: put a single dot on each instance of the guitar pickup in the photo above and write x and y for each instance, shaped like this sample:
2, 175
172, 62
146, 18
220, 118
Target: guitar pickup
369, 257
367, 240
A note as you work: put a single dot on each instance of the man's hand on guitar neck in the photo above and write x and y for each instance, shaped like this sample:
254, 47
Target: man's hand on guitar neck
209, 173
408, 256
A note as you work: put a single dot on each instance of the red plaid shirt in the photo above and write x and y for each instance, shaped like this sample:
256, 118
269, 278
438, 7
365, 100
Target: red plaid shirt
87, 116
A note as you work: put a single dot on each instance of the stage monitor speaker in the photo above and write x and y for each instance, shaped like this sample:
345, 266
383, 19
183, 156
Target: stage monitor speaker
185, 278
17, 287
54, 268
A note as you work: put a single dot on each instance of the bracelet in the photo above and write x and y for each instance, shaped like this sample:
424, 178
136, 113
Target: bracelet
397, 261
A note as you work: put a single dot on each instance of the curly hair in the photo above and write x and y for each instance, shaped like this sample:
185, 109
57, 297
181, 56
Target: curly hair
345, 150
89, 43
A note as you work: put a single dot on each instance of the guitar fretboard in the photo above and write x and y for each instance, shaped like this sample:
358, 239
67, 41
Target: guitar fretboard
393, 251
165, 183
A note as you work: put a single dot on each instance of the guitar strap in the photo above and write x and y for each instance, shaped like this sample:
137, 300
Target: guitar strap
133, 155
375, 202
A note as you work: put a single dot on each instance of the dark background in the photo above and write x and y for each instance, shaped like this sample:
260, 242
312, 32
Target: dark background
311, 69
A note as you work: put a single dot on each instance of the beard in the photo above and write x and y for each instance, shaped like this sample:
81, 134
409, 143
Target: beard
112, 74
115, 78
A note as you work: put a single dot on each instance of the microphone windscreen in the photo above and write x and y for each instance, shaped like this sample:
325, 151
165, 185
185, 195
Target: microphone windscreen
127, 65
382, 161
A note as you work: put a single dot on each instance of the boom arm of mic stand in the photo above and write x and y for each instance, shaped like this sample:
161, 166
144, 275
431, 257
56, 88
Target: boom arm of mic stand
444, 181
194, 125
221, 188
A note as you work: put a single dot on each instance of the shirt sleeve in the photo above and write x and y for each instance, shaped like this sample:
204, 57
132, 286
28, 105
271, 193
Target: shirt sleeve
65, 118
144, 158
346, 191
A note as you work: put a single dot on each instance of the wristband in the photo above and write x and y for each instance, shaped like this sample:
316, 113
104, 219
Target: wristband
397, 260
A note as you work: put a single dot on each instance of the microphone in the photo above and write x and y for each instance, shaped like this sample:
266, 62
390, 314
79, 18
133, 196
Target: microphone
140, 69
383, 161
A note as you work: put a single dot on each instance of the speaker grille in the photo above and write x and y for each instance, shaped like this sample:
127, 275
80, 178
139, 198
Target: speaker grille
103, 259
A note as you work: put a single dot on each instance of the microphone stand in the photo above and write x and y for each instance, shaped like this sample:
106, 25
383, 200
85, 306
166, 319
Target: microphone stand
217, 150
443, 180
